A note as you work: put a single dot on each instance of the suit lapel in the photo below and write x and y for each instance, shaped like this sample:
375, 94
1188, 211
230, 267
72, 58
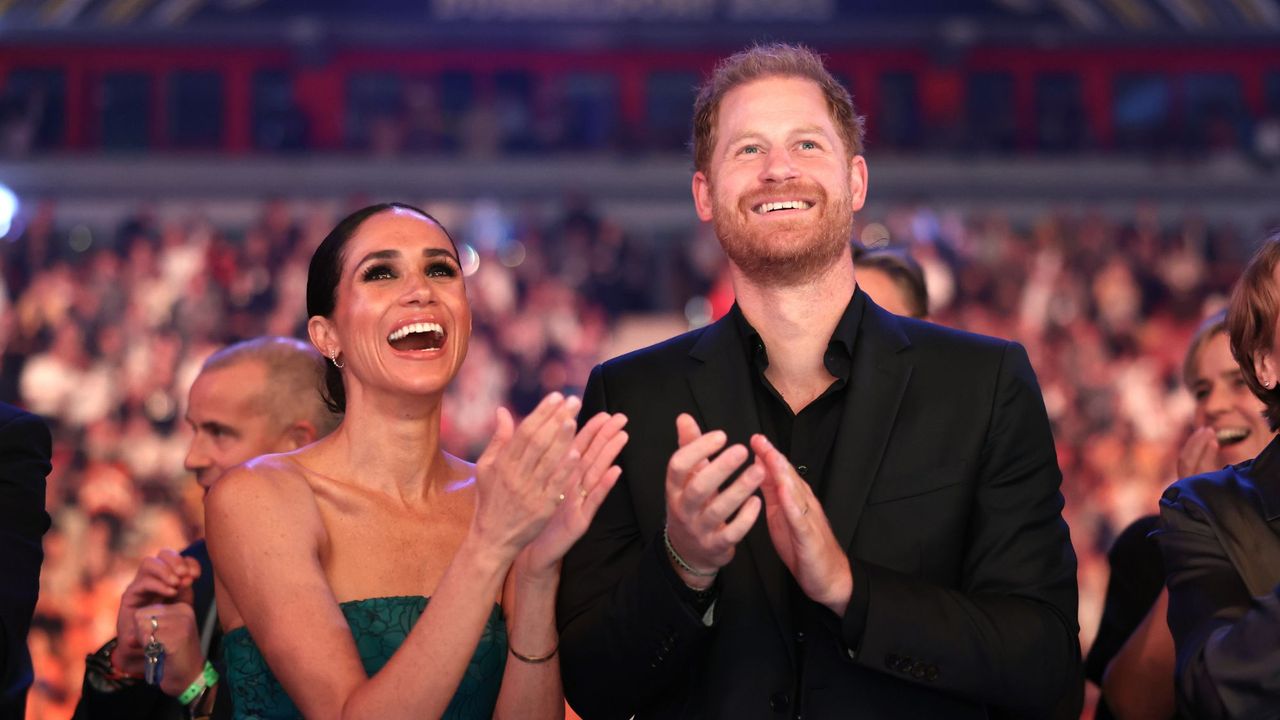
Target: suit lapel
877, 381
721, 384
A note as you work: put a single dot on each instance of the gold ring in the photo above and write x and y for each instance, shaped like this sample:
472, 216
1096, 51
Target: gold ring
560, 498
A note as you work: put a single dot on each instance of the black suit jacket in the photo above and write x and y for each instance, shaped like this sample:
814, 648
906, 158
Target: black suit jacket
25, 449
1220, 535
145, 702
944, 488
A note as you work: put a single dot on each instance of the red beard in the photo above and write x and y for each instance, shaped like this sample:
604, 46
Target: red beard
785, 253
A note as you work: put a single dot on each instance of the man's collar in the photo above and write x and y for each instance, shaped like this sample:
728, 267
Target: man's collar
844, 335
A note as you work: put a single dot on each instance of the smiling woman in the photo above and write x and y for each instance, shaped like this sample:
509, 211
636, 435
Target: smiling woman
372, 574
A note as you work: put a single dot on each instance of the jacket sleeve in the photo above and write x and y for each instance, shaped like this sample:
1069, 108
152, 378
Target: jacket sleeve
628, 633
101, 699
1227, 641
1006, 633
25, 449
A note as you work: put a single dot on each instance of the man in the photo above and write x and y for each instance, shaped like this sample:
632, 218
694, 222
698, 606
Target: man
25, 449
892, 279
252, 398
912, 561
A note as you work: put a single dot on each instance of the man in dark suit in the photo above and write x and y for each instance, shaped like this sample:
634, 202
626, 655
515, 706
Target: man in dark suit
912, 561
252, 398
25, 449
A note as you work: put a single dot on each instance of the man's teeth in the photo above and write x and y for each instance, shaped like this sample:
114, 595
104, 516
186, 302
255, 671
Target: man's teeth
784, 205
1227, 436
422, 327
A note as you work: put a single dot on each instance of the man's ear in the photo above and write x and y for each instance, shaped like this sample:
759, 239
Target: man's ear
858, 181
702, 196
298, 434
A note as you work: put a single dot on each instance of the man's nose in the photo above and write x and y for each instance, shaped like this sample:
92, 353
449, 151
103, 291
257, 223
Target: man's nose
778, 166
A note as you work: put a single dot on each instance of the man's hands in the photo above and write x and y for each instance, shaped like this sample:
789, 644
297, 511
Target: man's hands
162, 588
699, 527
800, 531
704, 532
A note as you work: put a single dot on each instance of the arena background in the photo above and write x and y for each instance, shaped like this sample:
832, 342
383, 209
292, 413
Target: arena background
1084, 176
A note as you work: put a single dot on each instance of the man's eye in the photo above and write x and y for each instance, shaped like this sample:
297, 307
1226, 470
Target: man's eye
808, 145
750, 150
377, 272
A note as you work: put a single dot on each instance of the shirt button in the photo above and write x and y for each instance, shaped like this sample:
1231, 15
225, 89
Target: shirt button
779, 702
802, 469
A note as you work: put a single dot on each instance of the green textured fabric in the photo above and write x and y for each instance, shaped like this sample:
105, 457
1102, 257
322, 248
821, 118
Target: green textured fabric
379, 626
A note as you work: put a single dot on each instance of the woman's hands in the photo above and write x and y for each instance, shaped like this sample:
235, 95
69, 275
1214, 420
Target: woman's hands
540, 484
523, 472
598, 444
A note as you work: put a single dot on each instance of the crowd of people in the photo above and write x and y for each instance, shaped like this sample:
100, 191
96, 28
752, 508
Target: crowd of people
104, 341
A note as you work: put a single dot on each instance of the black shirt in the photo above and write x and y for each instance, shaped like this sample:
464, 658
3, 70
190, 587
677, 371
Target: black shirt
807, 437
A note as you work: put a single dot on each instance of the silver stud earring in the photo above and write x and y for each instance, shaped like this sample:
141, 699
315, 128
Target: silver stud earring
333, 358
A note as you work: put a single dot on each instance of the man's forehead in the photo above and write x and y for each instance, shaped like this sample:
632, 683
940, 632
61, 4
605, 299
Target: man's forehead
231, 387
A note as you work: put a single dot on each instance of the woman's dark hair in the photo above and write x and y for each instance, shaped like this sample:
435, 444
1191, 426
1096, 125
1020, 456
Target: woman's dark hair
1251, 321
325, 273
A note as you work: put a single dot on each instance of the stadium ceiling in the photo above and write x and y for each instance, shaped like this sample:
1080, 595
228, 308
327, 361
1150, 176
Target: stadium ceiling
646, 22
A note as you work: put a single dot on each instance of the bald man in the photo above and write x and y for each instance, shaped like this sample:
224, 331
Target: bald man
253, 398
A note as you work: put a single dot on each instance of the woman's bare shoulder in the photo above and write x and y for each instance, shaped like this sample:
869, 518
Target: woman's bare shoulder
271, 486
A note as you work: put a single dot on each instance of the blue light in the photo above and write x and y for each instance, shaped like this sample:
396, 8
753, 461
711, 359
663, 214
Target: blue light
8, 208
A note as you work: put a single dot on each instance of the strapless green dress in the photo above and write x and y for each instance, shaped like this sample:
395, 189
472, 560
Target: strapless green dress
379, 626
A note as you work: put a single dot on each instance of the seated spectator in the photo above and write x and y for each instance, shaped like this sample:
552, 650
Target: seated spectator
252, 398
1132, 658
893, 279
1221, 547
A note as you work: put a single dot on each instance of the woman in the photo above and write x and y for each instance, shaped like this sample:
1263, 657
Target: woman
1220, 539
1229, 429
326, 556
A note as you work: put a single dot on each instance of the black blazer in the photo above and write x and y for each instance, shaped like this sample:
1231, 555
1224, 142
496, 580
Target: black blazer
138, 701
944, 487
1220, 536
25, 449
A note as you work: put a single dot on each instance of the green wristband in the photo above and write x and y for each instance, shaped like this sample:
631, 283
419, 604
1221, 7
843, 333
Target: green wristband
207, 678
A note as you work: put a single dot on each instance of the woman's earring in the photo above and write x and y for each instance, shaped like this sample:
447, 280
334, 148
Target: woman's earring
333, 358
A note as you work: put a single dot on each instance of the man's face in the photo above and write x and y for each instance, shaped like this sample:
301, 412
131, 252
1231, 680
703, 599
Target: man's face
230, 423
780, 186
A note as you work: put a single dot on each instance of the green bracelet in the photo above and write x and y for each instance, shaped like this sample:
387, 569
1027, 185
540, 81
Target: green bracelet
207, 678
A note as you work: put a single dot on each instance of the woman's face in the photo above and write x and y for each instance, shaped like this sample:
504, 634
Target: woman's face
401, 320
1224, 403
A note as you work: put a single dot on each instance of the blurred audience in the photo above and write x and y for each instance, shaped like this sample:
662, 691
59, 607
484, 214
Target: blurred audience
119, 327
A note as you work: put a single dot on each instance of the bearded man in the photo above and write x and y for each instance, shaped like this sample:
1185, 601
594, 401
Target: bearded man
911, 561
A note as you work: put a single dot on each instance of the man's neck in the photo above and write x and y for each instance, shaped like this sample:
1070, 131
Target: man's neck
796, 323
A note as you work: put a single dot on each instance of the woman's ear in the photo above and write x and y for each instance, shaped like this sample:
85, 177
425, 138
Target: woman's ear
1264, 368
322, 335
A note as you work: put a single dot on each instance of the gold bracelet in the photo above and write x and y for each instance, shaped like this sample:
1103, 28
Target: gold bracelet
532, 660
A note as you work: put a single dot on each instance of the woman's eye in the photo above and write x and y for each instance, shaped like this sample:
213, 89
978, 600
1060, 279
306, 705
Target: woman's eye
377, 272
441, 269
